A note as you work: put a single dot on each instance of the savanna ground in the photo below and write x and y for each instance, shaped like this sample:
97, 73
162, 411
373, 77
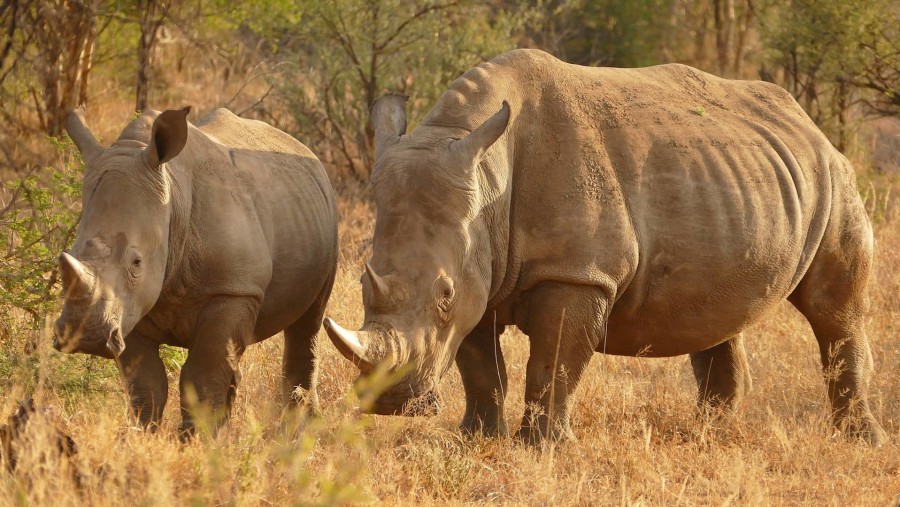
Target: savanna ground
640, 441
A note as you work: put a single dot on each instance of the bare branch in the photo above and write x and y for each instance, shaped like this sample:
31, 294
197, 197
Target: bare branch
258, 102
9, 8
402, 26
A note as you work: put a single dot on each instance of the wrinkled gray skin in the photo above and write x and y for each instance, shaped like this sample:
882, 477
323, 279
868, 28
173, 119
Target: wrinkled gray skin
211, 237
598, 211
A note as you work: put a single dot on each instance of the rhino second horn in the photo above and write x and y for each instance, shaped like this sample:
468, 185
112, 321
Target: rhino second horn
388, 119
347, 343
379, 286
76, 277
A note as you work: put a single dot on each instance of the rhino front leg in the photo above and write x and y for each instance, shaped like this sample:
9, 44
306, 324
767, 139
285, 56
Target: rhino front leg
564, 324
210, 375
483, 372
723, 375
145, 379
299, 362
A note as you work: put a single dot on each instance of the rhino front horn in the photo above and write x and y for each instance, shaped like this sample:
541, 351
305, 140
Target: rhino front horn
77, 280
347, 343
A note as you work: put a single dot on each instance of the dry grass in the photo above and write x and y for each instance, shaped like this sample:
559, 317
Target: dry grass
639, 439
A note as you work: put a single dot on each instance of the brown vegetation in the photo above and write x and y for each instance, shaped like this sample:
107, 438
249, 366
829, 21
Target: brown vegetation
640, 440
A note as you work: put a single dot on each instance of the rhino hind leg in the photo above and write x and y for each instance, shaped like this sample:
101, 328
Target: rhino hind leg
483, 373
564, 324
832, 297
145, 380
723, 375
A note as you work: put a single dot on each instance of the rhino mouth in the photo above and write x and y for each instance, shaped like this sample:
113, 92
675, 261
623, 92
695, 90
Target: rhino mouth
109, 347
396, 402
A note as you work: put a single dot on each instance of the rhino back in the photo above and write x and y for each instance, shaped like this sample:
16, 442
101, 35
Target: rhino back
263, 220
699, 201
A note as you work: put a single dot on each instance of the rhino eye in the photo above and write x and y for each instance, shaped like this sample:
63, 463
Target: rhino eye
135, 269
444, 296
445, 303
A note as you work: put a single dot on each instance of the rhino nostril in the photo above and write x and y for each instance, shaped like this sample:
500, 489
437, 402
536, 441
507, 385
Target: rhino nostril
58, 334
115, 343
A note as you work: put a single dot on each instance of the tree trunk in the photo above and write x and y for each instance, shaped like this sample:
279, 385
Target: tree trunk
843, 105
8, 18
64, 34
724, 21
701, 21
87, 60
741, 41
150, 24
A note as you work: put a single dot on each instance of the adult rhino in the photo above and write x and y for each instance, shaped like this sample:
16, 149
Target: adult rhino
654, 212
211, 237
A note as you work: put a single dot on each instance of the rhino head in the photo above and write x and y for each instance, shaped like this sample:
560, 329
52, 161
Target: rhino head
113, 274
428, 282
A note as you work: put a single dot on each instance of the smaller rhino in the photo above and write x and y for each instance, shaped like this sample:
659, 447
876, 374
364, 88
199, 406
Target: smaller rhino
211, 237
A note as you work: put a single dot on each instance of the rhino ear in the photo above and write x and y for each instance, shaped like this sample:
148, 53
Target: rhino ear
170, 131
81, 135
388, 117
475, 145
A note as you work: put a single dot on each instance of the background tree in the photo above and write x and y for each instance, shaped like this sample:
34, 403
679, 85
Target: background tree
8, 19
604, 32
53, 42
323, 63
733, 20
340, 56
151, 15
835, 55
880, 69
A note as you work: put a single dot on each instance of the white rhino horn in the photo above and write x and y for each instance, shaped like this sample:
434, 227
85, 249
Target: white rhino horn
77, 278
81, 135
379, 286
348, 344
388, 117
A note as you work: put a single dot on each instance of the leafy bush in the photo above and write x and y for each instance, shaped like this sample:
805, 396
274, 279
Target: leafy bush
37, 222
38, 219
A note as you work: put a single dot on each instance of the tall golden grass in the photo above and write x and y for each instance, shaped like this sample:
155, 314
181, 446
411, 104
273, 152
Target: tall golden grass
640, 441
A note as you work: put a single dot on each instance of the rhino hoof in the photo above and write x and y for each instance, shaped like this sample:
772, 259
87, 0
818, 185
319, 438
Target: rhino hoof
868, 430
535, 436
186, 433
472, 426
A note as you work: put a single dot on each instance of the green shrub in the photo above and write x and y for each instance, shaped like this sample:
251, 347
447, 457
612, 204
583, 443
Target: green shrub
38, 219
37, 222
